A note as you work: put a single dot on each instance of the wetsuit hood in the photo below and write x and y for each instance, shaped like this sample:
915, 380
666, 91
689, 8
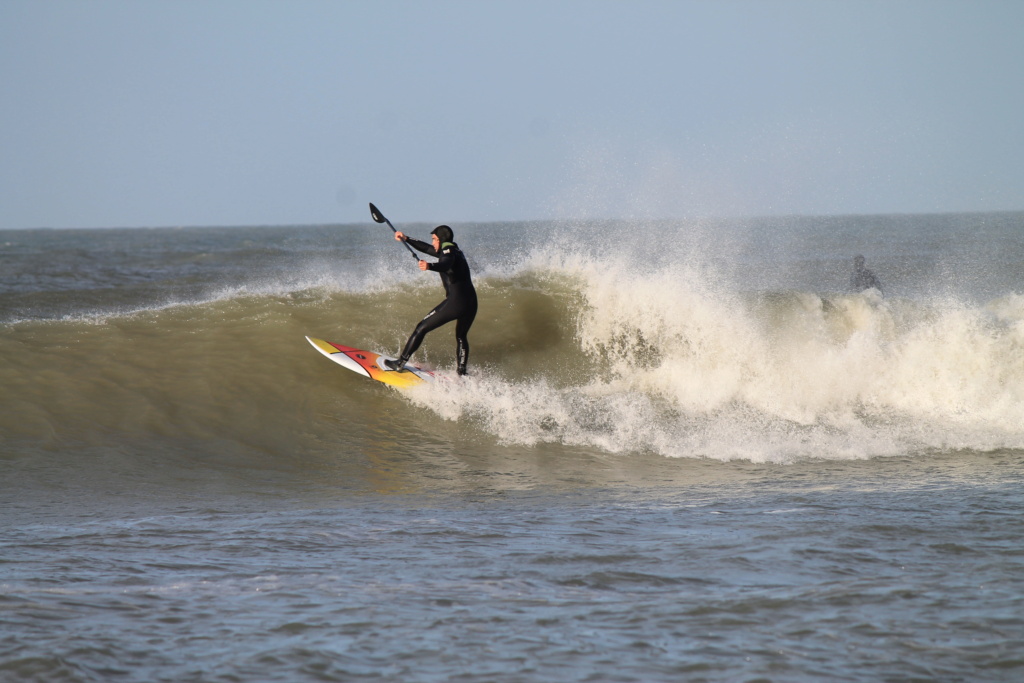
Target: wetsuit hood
444, 233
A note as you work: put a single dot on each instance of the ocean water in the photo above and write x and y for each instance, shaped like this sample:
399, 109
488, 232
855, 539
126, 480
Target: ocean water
685, 451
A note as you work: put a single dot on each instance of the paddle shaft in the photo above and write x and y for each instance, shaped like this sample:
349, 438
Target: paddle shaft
380, 218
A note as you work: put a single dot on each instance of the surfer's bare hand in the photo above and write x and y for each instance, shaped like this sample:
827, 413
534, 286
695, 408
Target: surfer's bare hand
423, 265
400, 236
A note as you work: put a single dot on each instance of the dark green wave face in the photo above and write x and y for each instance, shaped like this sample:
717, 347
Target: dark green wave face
602, 336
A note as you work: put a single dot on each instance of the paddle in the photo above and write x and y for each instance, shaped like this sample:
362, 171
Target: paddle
378, 217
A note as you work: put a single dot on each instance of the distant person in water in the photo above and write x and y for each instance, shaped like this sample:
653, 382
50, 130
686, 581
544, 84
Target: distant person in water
862, 278
460, 296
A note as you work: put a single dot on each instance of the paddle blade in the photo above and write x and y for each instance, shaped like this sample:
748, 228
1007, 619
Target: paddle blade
376, 215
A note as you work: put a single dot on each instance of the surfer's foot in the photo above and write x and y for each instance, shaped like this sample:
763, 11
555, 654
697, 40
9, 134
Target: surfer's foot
396, 365
461, 370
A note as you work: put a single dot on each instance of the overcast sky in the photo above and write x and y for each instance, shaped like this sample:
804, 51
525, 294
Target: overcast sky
245, 112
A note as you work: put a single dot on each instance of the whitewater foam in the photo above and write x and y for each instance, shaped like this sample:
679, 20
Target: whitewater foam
675, 361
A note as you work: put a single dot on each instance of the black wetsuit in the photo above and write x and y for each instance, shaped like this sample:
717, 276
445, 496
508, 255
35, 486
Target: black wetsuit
459, 305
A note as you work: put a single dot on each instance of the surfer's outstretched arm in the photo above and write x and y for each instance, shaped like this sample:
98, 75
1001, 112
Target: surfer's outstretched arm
416, 244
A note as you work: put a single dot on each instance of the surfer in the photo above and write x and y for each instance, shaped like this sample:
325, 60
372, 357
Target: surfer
862, 278
460, 296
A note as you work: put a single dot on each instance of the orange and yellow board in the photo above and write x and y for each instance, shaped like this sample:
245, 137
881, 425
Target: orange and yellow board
370, 364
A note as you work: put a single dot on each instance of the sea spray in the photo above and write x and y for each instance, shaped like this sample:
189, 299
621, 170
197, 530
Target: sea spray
677, 361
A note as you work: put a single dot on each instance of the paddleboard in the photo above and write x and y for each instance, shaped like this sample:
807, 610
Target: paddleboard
370, 364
